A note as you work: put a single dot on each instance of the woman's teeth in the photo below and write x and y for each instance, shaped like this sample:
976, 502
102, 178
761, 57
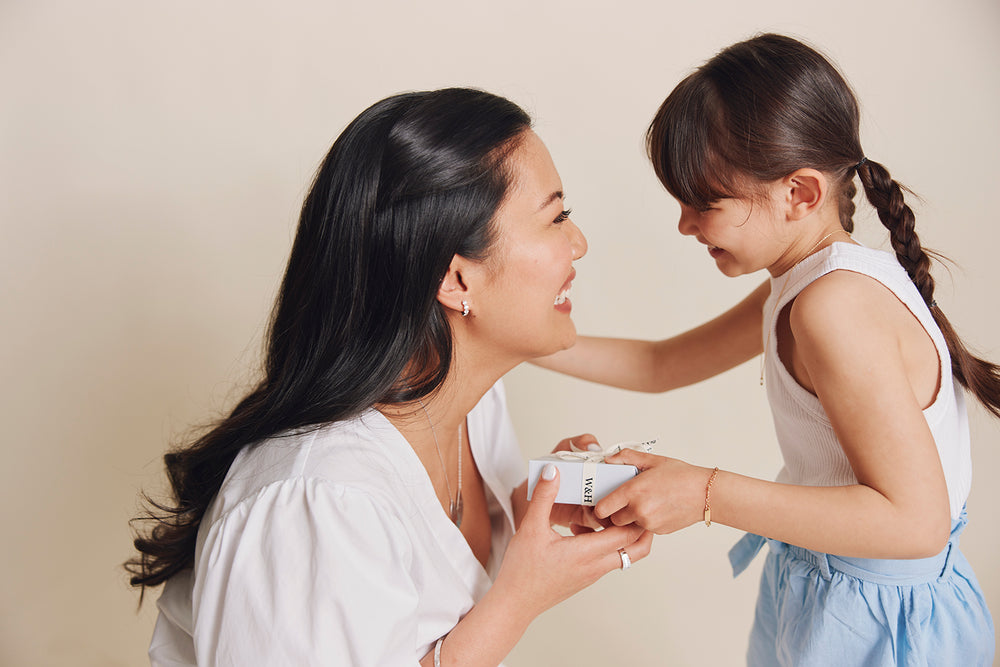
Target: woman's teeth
561, 298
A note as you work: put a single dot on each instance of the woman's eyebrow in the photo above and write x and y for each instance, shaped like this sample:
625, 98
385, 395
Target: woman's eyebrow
558, 194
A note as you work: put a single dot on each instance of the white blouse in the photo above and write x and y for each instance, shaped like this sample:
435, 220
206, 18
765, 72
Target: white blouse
330, 548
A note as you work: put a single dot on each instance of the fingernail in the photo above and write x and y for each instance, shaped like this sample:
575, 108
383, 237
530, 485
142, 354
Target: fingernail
549, 472
594, 447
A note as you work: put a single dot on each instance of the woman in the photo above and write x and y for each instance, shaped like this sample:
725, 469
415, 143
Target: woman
357, 507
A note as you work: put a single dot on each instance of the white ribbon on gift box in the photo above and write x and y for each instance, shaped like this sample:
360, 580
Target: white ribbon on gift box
591, 459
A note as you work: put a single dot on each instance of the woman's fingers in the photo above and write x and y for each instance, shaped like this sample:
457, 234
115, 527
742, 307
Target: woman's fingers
599, 543
586, 442
635, 551
542, 498
589, 519
636, 542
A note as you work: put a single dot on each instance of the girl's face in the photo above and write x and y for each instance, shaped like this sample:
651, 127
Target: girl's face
743, 235
522, 307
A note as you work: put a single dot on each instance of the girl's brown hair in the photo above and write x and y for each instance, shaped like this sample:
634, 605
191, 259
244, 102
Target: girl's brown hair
765, 107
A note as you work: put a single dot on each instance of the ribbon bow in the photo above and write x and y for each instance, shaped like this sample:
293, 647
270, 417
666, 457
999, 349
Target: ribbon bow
598, 457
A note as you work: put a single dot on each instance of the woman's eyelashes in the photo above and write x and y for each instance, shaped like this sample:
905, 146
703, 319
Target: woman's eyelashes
564, 216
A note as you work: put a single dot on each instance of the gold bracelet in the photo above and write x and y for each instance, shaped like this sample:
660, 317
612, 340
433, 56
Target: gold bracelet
708, 497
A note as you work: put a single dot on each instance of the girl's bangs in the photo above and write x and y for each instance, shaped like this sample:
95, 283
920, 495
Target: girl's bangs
683, 143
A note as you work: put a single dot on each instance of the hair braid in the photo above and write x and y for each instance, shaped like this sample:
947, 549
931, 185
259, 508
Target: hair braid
846, 205
886, 195
979, 376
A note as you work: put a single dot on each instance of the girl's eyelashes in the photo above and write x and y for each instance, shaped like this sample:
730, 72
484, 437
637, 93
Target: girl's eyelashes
564, 216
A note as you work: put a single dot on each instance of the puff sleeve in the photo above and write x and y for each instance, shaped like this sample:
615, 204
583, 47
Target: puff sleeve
306, 572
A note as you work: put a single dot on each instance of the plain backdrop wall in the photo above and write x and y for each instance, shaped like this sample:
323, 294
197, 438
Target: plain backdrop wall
152, 160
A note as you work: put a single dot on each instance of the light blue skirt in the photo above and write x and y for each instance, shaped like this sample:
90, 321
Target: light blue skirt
822, 610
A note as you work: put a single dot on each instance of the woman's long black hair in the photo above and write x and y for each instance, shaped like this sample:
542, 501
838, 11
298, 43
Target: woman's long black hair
768, 106
411, 182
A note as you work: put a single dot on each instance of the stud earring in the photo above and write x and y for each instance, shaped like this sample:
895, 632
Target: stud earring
465, 309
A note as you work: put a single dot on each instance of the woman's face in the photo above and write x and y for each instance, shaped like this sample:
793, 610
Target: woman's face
522, 307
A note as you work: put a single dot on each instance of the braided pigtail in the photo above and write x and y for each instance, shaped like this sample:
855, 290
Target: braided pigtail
846, 205
979, 376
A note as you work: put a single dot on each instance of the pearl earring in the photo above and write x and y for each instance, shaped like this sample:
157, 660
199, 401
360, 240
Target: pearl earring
465, 309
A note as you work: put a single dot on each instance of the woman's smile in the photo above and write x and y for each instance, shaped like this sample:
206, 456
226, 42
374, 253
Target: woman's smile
562, 303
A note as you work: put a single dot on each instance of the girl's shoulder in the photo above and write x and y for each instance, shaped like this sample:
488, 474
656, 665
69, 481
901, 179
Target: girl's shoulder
845, 302
846, 284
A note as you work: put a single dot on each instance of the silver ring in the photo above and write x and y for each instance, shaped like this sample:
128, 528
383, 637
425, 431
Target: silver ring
626, 561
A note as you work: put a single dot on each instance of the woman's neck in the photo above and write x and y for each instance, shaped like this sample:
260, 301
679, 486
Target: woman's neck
447, 406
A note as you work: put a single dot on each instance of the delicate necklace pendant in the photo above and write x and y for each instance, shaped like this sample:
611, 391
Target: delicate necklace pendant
455, 512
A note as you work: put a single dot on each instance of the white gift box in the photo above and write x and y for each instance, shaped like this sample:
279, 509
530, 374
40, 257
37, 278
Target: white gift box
584, 478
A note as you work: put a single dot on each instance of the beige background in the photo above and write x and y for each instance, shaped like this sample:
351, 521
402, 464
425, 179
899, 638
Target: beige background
153, 158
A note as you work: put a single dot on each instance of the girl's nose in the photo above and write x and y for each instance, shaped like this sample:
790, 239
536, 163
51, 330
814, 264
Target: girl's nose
686, 223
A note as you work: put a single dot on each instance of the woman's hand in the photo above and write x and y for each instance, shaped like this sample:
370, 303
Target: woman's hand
578, 518
542, 568
667, 494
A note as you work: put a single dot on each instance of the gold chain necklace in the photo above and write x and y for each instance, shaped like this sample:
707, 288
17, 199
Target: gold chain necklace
454, 500
777, 302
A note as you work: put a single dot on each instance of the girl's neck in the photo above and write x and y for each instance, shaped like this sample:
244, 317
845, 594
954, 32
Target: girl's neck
808, 245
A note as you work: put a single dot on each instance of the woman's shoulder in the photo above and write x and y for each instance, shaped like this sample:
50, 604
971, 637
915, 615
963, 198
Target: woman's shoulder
363, 455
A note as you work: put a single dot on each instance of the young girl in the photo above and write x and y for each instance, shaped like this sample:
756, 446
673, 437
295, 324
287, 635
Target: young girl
863, 372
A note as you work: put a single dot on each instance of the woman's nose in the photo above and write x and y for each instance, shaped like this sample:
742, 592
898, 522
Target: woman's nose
577, 241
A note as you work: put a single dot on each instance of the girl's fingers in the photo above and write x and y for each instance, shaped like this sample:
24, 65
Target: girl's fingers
613, 503
623, 517
640, 460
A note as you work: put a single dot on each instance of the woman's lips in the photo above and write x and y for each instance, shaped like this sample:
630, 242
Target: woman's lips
562, 301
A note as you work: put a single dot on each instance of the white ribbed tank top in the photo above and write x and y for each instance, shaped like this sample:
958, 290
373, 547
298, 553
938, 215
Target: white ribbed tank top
812, 454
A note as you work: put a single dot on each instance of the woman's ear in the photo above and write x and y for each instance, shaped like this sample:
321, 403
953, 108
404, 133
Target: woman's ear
806, 192
454, 292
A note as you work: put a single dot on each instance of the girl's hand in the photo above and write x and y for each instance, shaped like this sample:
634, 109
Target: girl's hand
667, 494
542, 568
